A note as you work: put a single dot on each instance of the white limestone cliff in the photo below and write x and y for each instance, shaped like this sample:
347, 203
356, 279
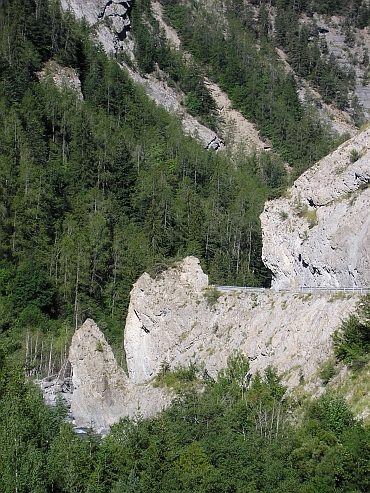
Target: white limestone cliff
318, 234
161, 311
110, 17
173, 321
102, 393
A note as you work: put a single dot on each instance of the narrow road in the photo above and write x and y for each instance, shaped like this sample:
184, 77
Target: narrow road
300, 289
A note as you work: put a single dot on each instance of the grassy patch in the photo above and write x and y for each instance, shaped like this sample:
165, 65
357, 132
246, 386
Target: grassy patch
179, 379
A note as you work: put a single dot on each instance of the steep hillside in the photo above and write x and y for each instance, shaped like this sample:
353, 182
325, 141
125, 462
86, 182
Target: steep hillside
112, 23
316, 237
318, 233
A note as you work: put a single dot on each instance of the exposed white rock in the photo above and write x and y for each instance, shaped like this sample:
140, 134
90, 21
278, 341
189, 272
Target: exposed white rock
102, 393
160, 312
170, 320
101, 13
236, 131
318, 234
170, 99
63, 77
170, 33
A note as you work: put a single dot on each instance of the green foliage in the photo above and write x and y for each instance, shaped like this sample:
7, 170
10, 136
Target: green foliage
255, 81
27, 429
352, 340
152, 48
332, 412
31, 285
354, 155
328, 370
96, 192
211, 296
215, 440
283, 215
180, 378
93, 193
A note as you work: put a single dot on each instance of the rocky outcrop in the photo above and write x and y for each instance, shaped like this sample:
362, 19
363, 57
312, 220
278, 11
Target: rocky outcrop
318, 234
110, 16
102, 392
178, 319
65, 78
161, 311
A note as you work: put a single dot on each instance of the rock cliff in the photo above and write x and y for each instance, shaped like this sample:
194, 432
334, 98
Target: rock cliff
102, 393
65, 78
111, 18
177, 319
318, 234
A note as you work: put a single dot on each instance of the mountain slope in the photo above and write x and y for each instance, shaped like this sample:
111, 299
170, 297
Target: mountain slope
318, 234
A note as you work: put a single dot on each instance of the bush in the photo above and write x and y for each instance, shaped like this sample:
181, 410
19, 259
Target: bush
327, 371
211, 296
354, 156
332, 412
180, 378
352, 340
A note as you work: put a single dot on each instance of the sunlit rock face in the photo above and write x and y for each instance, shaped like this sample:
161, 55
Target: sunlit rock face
65, 78
318, 234
111, 18
176, 319
102, 392
161, 314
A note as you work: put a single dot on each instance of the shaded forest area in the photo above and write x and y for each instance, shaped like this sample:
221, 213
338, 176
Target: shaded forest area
239, 435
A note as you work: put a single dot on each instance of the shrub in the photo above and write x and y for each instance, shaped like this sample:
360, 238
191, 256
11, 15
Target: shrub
211, 295
354, 155
283, 215
352, 340
31, 286
180, 378
99, 347
327, 371
332, 412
